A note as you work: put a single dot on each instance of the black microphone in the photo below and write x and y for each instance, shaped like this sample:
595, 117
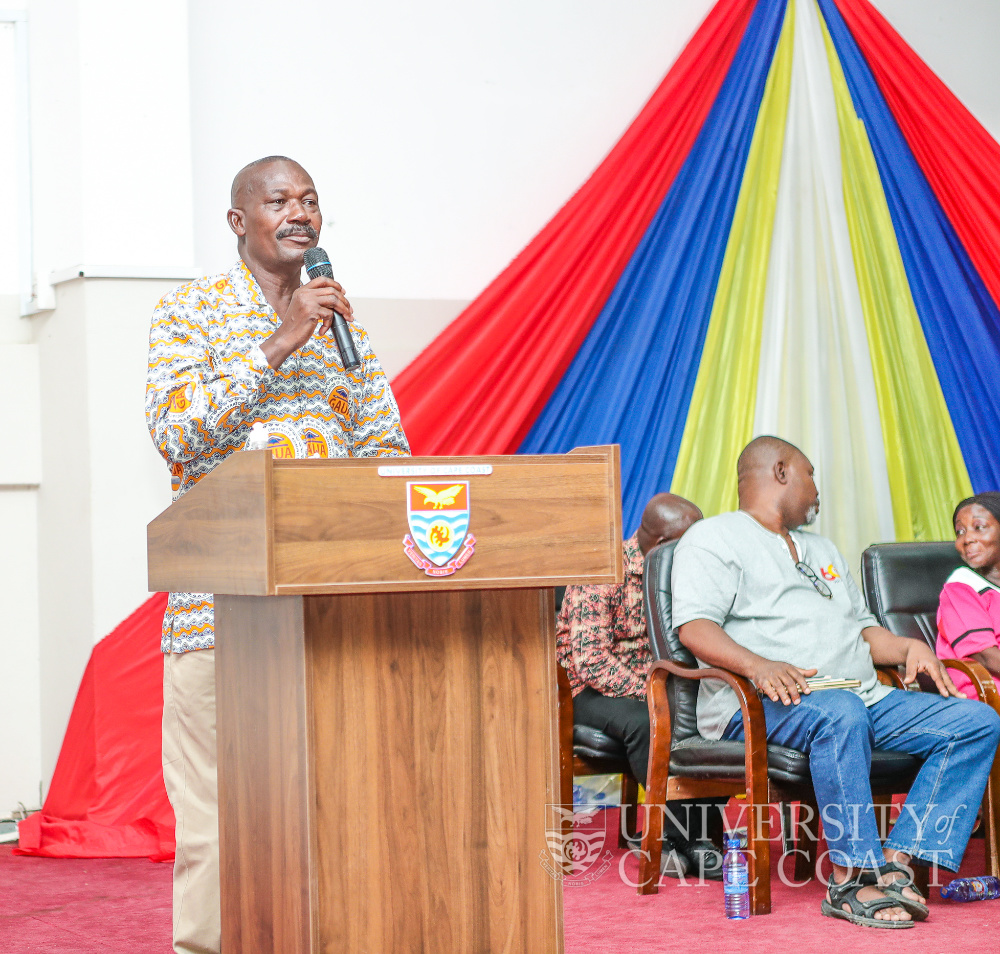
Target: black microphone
317, 264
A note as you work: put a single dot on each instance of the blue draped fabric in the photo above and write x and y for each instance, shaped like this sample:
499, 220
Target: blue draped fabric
959, 317
632, 379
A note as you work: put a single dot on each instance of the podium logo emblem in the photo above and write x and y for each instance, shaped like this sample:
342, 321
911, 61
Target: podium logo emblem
439, 542
576, 851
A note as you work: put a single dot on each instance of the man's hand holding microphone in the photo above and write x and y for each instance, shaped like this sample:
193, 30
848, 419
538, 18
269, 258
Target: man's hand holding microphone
314, 308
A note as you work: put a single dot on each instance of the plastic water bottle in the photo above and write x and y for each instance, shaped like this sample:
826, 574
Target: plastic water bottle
736, 880
972, 889
260, 434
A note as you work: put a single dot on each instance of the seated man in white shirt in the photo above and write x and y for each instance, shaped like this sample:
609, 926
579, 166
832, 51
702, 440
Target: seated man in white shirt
755, 595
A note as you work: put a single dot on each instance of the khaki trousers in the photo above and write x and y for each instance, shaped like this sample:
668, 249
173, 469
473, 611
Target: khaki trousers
191, 778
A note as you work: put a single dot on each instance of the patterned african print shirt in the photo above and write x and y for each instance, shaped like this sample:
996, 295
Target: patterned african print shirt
209, 382
601, 633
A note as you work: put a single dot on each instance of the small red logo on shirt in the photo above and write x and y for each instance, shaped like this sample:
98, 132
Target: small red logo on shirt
829, 573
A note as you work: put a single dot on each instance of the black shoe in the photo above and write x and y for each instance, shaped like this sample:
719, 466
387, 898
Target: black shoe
674, 863
694, 860
704, 859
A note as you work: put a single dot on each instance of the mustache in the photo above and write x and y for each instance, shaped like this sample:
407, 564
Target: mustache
299, 230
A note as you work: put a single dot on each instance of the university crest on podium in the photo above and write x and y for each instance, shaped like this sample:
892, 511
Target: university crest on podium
439, 542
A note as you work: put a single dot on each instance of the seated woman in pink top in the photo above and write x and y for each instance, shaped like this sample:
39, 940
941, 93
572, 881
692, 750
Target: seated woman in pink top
969, 612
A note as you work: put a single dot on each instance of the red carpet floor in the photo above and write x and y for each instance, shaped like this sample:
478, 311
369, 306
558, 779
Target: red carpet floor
79, 906
50, 906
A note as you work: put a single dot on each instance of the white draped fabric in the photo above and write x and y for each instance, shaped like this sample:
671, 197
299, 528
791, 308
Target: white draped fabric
815, 385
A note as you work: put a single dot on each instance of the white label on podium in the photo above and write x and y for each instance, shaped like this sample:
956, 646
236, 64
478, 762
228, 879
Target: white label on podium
429, 470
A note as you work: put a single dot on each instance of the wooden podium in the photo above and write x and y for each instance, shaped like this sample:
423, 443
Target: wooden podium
388, 752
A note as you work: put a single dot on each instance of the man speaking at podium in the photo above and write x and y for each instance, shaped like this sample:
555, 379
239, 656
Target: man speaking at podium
249, 346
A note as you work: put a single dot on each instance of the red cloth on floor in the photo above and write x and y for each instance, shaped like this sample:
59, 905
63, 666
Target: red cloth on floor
107, 798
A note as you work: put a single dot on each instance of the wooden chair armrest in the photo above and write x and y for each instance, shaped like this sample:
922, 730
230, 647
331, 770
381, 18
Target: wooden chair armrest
752, 709
889, 676
986, 688
740, 684
565, 710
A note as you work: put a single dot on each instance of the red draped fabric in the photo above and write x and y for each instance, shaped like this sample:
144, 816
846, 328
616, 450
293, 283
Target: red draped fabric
957, 155
479, 386
107, 798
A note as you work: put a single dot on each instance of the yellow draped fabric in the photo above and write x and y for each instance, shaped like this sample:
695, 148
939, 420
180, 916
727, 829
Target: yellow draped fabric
720, 420
927, 474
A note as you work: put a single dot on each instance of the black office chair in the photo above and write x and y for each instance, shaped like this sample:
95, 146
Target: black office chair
683, 764
902, 583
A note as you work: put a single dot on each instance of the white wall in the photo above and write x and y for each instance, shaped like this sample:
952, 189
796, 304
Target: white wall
958, 39
111, 133
103, 480
20, 474
20, 696
442, 137
8, 159
129, 483
65, 577
111, 186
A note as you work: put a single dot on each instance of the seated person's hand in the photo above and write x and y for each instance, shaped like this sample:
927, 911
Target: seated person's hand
920, 658
781, 681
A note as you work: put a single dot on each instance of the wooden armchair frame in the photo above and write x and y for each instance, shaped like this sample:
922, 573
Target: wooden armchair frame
986, 690
662, 785
760, 790
571, 764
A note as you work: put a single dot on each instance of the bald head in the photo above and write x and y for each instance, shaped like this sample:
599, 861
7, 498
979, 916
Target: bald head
249, 178
760, 456
775, 481
665, 518
275, 216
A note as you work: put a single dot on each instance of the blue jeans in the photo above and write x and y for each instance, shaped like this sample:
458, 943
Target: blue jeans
956, 738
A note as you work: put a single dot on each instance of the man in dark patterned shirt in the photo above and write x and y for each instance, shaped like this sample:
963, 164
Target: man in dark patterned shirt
602, 644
